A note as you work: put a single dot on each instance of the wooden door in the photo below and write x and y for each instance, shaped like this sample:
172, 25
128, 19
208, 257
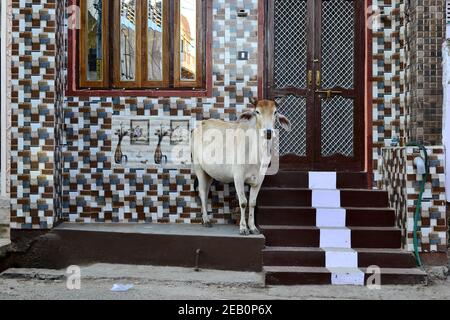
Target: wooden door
315, 71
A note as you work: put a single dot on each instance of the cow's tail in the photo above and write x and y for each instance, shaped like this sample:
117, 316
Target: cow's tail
196, 184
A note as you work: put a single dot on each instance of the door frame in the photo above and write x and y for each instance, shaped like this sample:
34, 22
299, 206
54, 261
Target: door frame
366, 39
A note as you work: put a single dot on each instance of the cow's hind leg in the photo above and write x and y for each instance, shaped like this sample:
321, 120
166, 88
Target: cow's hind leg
252, 204
240, 190
204, 184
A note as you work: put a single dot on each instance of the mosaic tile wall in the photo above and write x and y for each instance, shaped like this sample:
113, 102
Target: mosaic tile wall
407, 73
399, 178
407, 105
95, 191
426, 35
388, 76
32, 108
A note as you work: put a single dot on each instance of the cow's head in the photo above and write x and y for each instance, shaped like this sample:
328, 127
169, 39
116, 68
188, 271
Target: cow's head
265, 115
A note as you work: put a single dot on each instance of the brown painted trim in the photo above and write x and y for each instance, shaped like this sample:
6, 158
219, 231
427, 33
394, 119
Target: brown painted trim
151, 93
208, 49
369, 98
261, 48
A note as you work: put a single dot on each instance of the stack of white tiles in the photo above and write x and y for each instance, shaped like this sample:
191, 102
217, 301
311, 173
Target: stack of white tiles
335, 238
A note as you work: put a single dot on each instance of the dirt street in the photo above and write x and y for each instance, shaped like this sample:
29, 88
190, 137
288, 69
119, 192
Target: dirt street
178, 283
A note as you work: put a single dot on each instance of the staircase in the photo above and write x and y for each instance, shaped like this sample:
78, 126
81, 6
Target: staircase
328, 228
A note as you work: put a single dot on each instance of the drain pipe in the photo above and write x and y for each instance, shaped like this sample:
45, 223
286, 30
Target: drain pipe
423, 168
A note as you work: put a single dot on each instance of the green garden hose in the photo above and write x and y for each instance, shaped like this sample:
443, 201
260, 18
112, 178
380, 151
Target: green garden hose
418, 212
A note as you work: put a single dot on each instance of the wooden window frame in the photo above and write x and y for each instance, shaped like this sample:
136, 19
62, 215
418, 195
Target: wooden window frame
103, 82
204, 85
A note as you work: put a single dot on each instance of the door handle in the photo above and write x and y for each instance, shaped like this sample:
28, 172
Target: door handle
329, 93
310, 78
318, 79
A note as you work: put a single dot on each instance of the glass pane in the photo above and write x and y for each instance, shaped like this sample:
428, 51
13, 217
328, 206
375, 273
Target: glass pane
127, 39
188, 39
94, 40
155, 39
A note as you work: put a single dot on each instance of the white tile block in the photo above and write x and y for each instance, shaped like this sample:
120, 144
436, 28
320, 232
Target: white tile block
326, 198
335, 238
347, 276
341, 258
322, 180
330, 217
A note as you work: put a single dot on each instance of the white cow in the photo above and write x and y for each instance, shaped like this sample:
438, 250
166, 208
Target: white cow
214, 140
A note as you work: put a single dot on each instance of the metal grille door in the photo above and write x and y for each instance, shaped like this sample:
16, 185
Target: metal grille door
294, 141
315, 71
337, 127
290, 70
290, 43
338, 39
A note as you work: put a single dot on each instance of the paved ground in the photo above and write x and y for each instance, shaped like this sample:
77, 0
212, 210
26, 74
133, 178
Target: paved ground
178, 283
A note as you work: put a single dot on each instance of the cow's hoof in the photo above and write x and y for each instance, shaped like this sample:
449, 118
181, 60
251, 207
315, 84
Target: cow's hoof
244, 232
207, 224
255, 231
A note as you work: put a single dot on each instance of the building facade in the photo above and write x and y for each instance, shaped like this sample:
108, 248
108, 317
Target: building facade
379, 70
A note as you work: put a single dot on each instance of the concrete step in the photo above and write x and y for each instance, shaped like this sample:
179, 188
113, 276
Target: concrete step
359, 237
301, 179
181, 245
307, 216
302, 197
316, 257
288, 275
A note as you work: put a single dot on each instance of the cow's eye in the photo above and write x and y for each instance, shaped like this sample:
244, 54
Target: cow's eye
257, 112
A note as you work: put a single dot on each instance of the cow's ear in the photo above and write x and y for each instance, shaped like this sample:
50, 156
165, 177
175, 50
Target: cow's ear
246, 116
253, 101
284, 122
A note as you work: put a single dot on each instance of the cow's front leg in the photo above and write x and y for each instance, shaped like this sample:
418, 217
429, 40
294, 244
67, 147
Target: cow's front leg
254, 190
240, 190
204, 184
